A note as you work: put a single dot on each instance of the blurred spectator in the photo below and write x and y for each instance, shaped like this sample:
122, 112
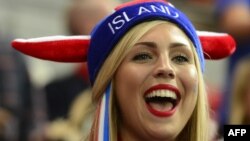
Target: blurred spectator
77, 126
196, 10
240, 99
233, 17
15, 94
61, 92
83, 15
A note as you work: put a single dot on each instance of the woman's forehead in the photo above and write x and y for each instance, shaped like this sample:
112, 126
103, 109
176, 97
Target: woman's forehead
166, 32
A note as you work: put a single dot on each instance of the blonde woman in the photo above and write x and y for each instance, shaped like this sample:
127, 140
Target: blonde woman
143, 71
145, 64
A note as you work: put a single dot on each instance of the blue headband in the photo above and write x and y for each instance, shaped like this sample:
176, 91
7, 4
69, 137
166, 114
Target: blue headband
109, 31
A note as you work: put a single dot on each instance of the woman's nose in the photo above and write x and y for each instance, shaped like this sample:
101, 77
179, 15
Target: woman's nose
164, 69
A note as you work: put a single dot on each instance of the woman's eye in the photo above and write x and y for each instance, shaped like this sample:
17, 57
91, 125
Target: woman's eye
142, 57
180, 59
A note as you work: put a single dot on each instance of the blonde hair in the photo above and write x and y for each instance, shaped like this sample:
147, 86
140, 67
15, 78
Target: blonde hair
196, 126
239, 86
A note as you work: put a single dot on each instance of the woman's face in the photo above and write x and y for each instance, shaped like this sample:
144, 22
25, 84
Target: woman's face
156, 85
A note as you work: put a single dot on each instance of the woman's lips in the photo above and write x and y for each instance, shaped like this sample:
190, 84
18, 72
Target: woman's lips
162, 108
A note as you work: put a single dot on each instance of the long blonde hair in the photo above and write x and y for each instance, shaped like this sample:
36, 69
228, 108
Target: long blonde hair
239, 86
196, 128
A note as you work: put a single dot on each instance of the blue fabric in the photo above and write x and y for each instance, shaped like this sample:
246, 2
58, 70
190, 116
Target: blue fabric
110, 30
106, 116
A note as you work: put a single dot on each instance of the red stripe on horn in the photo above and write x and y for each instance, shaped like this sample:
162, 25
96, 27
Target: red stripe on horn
60, 50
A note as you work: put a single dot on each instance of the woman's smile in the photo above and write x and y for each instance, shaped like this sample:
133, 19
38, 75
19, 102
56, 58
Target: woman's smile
162, 99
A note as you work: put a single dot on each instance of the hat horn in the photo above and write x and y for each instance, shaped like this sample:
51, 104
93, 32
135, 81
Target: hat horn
55, 48
75, 48
216, 45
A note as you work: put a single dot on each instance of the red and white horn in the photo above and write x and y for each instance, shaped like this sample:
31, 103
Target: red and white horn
55, 48
75, 48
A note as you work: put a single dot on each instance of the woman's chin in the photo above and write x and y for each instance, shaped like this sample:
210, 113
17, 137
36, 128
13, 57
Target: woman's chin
159, 134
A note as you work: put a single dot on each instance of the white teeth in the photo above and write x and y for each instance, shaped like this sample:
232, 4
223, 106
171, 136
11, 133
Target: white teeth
162, 93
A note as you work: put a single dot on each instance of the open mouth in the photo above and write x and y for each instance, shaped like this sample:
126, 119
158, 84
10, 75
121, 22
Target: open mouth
162, 102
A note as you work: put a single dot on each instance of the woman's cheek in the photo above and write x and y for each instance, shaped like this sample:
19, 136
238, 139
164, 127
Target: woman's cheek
190, 79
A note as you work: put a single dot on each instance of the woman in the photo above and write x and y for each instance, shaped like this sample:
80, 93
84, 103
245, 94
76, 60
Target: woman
145, 64
150, 85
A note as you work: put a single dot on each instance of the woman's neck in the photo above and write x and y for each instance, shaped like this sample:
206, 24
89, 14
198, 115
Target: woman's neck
127, 135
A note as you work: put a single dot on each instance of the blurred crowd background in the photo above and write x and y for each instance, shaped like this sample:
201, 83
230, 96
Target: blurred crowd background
47, 101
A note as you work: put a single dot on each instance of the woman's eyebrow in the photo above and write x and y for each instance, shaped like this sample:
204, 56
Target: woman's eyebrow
153, 44
148, 44
174, 45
